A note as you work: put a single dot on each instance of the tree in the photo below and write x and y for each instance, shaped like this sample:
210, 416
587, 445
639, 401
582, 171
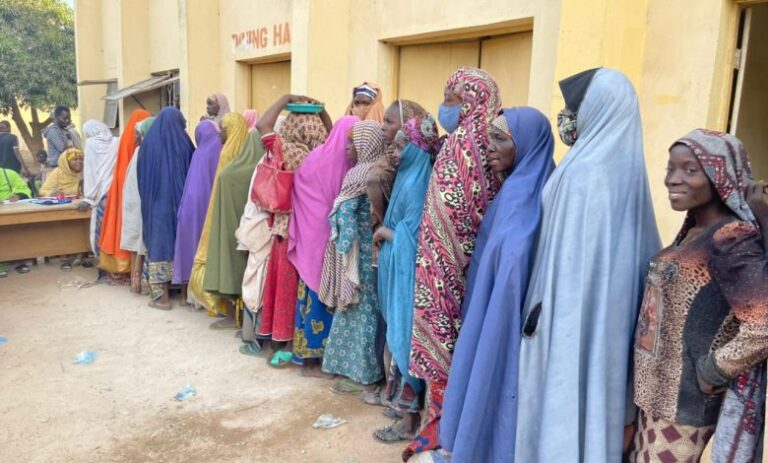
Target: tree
37, 63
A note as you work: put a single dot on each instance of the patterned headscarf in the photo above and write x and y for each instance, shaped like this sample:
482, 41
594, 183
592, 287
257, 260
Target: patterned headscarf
300, 133
725, 162
460, 190
368, 139
72, 153
375, 110
422, 132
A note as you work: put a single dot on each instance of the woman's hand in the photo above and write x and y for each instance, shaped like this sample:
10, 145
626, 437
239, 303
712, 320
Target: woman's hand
382, 233
13, 198
83, 206
757, 199
710, 389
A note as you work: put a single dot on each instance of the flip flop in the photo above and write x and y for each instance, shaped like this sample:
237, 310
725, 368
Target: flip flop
315, 373
252, 350
392, 413
389, 435
223, 324
23, 268
66, 266
281, 359
372, 398
158, 305
347, 386
3, 274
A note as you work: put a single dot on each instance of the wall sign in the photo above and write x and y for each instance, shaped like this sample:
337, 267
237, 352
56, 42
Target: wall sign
262, 38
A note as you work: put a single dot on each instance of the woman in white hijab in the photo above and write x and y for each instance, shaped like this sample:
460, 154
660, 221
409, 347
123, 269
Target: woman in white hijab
597, 235
99, 166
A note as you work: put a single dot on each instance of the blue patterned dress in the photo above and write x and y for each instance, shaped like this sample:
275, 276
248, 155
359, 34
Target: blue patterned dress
351, 347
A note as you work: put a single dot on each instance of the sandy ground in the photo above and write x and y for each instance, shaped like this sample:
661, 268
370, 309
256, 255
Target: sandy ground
121, 407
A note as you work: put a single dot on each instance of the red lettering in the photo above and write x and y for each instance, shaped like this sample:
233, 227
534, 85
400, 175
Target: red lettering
287, 33
263, 37
277, 36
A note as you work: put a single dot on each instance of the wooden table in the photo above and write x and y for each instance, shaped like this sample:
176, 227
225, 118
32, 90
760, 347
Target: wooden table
32, 230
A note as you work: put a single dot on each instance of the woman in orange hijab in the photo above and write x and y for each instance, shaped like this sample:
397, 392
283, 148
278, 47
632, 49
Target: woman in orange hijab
112, 258
366, 103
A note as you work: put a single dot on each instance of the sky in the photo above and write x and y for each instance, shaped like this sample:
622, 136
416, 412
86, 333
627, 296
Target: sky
71, 3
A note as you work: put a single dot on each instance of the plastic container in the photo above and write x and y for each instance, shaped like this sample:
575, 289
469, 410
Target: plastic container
305, 108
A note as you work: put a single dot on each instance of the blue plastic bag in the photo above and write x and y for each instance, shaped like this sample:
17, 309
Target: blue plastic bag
85, 357
187, 392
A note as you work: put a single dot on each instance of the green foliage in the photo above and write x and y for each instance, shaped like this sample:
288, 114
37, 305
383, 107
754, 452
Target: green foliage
37, 54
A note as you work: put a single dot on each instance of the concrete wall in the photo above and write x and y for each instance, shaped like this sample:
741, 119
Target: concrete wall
678, 53
164, 35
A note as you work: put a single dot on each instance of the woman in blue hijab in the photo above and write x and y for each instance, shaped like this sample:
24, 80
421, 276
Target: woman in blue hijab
484, 367
417, 142
164, 159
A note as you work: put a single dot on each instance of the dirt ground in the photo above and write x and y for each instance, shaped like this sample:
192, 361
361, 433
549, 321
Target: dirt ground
121, 407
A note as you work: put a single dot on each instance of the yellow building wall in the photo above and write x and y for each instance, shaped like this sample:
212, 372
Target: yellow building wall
683, 84
250, 31
90, 57
164, 35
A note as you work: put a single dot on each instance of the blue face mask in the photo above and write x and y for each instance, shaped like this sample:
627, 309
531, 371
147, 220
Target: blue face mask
448, 116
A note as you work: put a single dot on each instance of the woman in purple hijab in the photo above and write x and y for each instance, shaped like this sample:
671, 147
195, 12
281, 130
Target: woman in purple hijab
194, 202
480, 408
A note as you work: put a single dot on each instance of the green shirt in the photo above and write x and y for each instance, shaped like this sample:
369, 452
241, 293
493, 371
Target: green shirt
11, 184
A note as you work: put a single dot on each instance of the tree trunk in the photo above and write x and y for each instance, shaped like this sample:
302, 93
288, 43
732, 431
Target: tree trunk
32, 134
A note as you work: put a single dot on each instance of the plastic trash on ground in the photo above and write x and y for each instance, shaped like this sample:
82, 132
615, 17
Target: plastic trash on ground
3, 340
327, 421
187, 392
85, 357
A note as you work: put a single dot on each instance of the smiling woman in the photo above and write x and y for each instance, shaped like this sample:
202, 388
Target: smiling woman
703, 319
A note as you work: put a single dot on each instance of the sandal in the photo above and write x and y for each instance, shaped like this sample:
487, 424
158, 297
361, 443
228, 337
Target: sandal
23, 268
86, 264
347, 386
223, 324
281, 359
66, 266
160, 306
390, 435
251, 349
308, 372
391, 413
3, 274
372, 398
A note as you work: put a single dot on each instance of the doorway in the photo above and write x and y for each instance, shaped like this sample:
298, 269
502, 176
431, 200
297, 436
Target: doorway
749, 103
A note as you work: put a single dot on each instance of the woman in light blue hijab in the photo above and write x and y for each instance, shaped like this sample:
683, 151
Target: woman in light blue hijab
597, 235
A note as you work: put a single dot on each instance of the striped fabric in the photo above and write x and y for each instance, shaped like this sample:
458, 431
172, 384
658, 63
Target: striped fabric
340, 278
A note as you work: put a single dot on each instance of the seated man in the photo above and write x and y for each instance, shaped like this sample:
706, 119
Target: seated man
12, 188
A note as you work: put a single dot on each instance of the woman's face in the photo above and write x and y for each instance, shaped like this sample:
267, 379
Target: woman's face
351, 151
360, 104
212, 107
223, 135
391, 123
450, 98
76, 165
501, 151
687, 184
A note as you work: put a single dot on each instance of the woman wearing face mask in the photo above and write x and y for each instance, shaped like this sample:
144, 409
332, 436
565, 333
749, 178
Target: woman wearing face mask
366, 103
484, 367
704, 318
597, 234
461, 187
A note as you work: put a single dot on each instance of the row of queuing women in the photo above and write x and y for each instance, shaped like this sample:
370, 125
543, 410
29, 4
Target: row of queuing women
498, 307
